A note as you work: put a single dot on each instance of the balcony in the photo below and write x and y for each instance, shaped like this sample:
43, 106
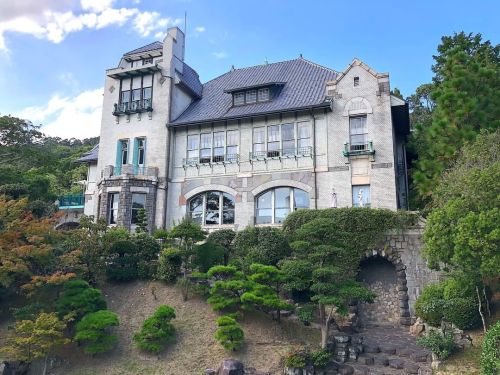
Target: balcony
111, 171
218, 159
136, 106
71, 201
355, 149
281, 154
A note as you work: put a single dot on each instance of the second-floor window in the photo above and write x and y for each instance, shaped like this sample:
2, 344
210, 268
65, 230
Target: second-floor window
214, 147
141, 151
138, 203
136, 93
124, 151
282, 140
113, 199
358, 133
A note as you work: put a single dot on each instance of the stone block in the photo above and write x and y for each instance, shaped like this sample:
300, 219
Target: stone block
396, 363
231, 367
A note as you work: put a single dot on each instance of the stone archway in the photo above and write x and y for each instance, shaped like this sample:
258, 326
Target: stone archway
385, 275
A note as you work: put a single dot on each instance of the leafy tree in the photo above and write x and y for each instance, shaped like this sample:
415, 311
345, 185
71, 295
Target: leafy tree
78, 299
17, 139
36, 338
142, 221
230, 284
157, 330
334, 270
92, 331
265, 293
122, 261
187, 232
224, 238
148, 251
169, 265
229, 333
208, 255
490, 351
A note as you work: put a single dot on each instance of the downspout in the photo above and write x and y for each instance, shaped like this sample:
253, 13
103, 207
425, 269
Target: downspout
168, 153
314, 160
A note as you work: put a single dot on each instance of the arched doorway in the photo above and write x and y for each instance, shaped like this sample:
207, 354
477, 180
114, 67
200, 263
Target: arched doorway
386, 277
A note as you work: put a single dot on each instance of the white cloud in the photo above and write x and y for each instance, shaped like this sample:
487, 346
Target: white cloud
54, 22
220, 55
200, 29
69, 117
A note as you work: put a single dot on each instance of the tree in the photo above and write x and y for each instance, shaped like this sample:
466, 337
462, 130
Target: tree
187, 232
157, 330
224, 238
229, 285
229, 334
92, 331
334, 270
78, 299
37, 338
466, 93
17, 137
142, 221
265, 293
122, 261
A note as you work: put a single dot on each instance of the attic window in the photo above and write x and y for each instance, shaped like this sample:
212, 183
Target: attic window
356, 81
239, 98
251, 96
147, 61
263, 94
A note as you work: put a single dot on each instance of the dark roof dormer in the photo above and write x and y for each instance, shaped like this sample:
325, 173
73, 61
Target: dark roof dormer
253, 94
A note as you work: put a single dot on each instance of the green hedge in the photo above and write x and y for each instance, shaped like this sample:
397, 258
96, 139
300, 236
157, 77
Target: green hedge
229, 333
490, 354
169, 265
157, 330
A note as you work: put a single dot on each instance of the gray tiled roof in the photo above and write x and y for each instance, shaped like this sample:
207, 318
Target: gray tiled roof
190, 78
89, 156
304, 86
146, 48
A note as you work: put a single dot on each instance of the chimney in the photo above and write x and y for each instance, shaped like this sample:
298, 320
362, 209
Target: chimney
173, 50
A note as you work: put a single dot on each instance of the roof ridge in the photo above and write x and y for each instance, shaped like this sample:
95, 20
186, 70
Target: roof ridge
318, 65
265, 64
144, 46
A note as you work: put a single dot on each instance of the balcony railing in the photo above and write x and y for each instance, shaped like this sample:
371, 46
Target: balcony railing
136, 170
353, 149
216, 159
282, 153
136, 106
71, 201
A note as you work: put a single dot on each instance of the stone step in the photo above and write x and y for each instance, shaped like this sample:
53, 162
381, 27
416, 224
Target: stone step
374, 370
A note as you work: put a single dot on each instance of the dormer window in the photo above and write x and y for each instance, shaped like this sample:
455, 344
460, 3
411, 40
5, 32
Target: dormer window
251, 96
263, 94
239, 98
147, 61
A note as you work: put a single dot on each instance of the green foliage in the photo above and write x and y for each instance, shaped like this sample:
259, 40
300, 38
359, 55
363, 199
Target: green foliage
35, 338
187, 232
441, 345
157, 330
169, 265
148, 251
92, 331
224, 238
207, 255
305, 313
230, 284
229, 333
430, 304
142, 221
463, 312
122, 260
14, 191
296, 359
320, 358
28, 311
78, 299
298, 275
490, 352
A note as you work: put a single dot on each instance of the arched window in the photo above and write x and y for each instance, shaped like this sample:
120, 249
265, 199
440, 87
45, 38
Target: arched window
273, 206
212, 208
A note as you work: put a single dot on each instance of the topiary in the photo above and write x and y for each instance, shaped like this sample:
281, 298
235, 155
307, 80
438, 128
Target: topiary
148, 251
169, 265
92, 331
156, 331
463, 312
442, 345
320, 358
229, 334
78, 298
122, 261
430, 305
296, 359
490, 352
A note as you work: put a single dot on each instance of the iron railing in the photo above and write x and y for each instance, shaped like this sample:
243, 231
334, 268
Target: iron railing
216, 159
136, 170
71, 201
135, 106
352, 149
282, 153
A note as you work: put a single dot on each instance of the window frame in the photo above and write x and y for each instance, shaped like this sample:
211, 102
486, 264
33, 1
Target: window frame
220, 211
357, 146
281, 151
213, 158
112, 211
355, 202
292, 207
142, 101
124, 151
136, 210
257, 96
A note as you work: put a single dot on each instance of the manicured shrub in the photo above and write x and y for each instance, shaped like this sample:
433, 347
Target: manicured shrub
93, 331
463, 312
122, 261
148, 251
441, 345
208, 255
79, 298
229, 333
305, 313
490, 353
169, 265
260, 245
157, 330
296, 359
430, 304
320, 358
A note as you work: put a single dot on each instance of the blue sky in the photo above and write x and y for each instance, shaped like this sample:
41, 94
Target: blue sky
53, 53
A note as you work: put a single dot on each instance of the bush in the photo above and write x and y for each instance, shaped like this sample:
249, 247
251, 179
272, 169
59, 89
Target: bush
430, 304
296, 359
463, 312
148, 251
169, 265
157, 330
229, 334
122, 261
490, 353
14, 190
441, 345
207, 255
79, 299
261, 245
320, 358
92, 331
27, 312
305, 313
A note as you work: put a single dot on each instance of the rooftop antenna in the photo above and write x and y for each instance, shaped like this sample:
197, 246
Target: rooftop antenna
185, 22
266, 61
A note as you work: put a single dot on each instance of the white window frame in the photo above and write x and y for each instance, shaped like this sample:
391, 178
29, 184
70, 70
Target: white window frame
221, 207
112, 210
273, 203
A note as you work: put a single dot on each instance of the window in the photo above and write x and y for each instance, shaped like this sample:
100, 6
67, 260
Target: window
358, 134
136, 93
141, 151
273, 206
259, 141
138, 202
113, 199
251, 96
232, 145
192, 147
356, 81
213, 147
147, 61
219, 144
288, 139
282, 140
239, 98
303, 136
273, 141
212, 208
263, 94
361, 196
124, 151
206, 148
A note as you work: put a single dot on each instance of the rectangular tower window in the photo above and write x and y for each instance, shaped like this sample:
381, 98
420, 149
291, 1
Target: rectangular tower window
124, 151
113, 199
361, 196
356, 81
141, 152
251, 96
239, 98
358, 133
138, 202
288, 139
232, 145
193, 146
263, 94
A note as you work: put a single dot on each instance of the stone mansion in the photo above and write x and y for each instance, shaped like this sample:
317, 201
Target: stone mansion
245, 148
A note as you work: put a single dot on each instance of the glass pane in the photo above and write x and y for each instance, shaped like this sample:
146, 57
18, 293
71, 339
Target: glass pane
232, 137
147, 80
361, 196
138, 201
197, 217
205, 153
258, 135
136, 94
282, 198
263, 94
239, 98
146, 93
232, 151
125, 96
227, 201
140, 158
357, 125
287, 132
192, 154
264, 216
219, 151
228, 217
206, 140
301, 199
304, 130
359, 139
219, 139
258, 147
251, 96
193, 142
273, 133
196, 204
213, 200
212, 217
280, 215
288, 147
264, 200
306, 142
273, 146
